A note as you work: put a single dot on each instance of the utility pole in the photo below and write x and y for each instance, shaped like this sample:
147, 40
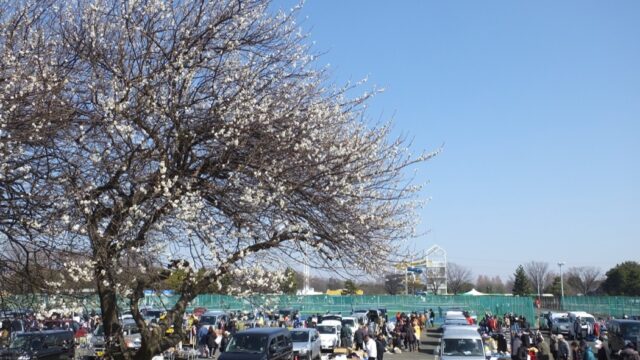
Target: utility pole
560, 264
406, 281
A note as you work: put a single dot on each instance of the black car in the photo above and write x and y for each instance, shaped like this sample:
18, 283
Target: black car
52, 344
259, 344
622, 332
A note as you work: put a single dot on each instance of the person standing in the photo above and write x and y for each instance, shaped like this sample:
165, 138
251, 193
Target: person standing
576, 353
516, 343
345, 336
358, 337
202, 340
523, 350
544, 351
564, 352
432, 317
553, 346
211, 341
602, 352
370, 348
381, 344
588, 353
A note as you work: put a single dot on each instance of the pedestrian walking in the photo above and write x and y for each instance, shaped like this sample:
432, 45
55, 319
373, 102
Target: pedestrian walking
370, 348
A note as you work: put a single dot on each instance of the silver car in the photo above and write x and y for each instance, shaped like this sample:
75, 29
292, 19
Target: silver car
306, 343
560, 325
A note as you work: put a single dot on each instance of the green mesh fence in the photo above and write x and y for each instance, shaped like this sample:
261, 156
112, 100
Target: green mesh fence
603, 305
347, 304
597, 305
312, 304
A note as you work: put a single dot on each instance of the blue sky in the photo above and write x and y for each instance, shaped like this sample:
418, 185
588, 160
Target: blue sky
537, 103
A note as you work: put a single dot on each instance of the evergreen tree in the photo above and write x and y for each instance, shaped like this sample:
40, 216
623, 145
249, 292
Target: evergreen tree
623, 279
289, 285
521, 284
554, 288
350, 288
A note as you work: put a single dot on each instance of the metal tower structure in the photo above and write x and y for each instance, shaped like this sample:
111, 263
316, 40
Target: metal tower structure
435, 261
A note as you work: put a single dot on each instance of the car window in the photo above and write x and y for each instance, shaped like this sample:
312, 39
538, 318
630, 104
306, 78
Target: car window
299, 335
325, 329
50, 340
248, 343
209, 320
462, 347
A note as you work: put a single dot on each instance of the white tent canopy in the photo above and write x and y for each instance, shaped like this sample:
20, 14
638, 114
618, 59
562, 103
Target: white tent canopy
474, 292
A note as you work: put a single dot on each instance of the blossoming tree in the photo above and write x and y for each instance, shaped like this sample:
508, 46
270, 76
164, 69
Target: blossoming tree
194, 136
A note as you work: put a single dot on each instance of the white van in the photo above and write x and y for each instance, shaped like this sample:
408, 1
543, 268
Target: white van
461, 343
586, 324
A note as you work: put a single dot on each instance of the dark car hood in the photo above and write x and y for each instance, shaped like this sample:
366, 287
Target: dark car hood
241, 356
11, 354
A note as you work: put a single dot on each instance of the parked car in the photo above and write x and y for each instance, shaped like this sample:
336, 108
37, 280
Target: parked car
48, 344
586, 324
622, 332
560, 325
306, 344
213, 318
458, 343
325, 317
329, 336
259, 344
131, 333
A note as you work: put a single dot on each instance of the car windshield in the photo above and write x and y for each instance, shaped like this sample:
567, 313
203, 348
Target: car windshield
586, 320
299, 336
26, 342
349, 322
562, 320
153, 313
326, 329
462, 347
252, 343
630, 331
208, 319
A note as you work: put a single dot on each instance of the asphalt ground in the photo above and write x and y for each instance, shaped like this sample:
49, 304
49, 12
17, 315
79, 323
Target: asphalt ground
429, 341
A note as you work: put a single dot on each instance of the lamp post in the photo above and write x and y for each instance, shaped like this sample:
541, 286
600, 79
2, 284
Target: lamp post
560, 264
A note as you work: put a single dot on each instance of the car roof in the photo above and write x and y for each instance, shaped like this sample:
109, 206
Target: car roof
626, 321
214, 312
458, 332
303, 329
265, 331
45, 332
332, 325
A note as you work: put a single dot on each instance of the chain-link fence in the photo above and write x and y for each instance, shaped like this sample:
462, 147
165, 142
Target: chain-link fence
615, 306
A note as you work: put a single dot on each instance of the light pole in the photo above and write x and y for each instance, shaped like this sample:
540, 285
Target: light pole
561, 285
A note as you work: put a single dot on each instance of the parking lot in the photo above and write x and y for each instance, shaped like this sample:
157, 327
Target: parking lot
429, 343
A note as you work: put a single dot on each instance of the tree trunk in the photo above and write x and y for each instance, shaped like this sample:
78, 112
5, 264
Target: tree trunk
114, 340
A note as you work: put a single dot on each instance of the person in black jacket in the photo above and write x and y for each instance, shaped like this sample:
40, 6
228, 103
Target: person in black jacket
381, 344
358, 337
211, 341
523, 351
602, 352
564, 352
